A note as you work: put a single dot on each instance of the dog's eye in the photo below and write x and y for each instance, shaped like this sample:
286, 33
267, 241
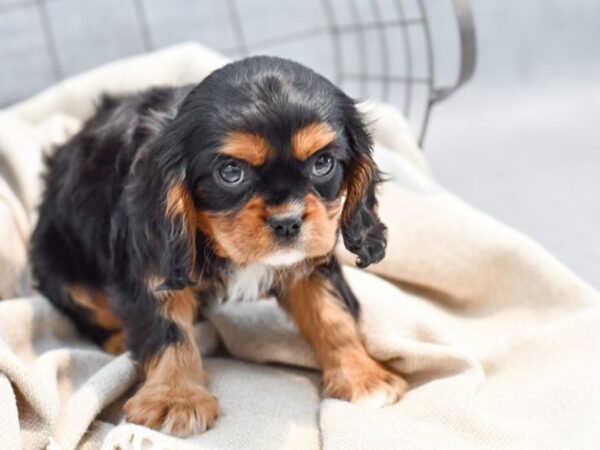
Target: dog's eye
231, 173
323, 166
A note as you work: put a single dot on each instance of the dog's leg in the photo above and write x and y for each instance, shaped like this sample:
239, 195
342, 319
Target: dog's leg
173, 397
349, 373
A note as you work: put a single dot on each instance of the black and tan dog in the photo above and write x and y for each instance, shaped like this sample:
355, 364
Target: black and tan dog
241, 185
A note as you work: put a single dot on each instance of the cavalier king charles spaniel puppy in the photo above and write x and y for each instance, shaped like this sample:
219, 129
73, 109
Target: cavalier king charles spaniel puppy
240, 186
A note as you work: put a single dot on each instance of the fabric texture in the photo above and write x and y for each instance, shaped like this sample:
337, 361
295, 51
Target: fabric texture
500, 343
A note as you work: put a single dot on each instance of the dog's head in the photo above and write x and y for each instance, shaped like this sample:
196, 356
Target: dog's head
266, 161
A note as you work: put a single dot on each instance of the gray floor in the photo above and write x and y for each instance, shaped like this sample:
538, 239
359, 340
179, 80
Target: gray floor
521, 141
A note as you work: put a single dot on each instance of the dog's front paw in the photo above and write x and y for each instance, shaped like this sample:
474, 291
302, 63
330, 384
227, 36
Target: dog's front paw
176, 410
363, 381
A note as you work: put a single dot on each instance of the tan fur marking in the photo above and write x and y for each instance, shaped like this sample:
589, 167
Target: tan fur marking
310, 139
170, 300
248, 147
173, 397
177, 201
242, 236
97, 303
349, 373
115, 344
357, 182
180, 205
206, 224
180, 306
321, 222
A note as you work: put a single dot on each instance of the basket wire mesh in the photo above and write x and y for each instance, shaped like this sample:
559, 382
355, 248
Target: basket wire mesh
373, 49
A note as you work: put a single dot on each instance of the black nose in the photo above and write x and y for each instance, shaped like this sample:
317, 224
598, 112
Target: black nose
285, 227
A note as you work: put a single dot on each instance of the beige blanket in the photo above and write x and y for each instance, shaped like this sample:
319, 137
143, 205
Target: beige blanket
499, 341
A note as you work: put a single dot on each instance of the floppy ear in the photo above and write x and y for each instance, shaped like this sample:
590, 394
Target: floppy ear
161, 215
362, 231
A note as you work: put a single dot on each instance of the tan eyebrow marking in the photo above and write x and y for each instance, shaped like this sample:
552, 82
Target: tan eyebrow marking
310, 139
246, 146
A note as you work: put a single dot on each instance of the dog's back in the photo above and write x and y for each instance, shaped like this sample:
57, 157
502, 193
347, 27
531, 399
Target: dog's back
70, 247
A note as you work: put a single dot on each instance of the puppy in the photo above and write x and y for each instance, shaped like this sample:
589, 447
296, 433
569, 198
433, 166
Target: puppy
175, 197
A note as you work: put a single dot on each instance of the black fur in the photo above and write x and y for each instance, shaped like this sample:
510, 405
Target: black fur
333, 272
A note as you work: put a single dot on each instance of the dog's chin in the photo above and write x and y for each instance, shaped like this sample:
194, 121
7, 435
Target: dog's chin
284, 258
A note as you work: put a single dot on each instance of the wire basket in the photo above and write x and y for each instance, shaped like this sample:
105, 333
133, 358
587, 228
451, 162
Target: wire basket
373, 49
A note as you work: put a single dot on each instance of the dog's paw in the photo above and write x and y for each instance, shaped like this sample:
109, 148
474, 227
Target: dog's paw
364, 381
175, 410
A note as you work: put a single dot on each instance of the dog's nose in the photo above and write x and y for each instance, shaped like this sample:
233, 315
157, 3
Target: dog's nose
285, 227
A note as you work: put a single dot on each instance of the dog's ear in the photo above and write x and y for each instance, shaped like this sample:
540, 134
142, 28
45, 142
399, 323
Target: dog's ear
162, 215
362, 231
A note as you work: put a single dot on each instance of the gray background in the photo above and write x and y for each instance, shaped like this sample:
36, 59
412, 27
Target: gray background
521, 141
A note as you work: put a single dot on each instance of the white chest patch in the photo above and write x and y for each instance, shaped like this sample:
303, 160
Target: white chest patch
248, 283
